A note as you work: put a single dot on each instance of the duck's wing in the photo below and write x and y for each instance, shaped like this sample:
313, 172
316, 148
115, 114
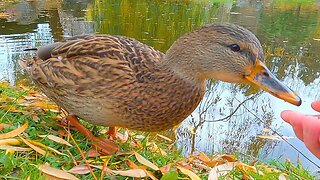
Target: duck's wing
93, 60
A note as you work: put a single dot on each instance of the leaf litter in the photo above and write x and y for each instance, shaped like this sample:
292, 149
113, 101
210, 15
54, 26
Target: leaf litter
157, 157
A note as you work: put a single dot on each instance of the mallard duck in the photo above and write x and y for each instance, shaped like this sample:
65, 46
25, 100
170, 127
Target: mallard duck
113, 80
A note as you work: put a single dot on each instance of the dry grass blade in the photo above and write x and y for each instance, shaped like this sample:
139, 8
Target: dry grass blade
189, 173
55, 172
15, 132
137, 173
145, 162
56, 139
37, 149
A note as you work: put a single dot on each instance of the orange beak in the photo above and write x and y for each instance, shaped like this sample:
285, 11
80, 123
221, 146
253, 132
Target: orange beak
262, 77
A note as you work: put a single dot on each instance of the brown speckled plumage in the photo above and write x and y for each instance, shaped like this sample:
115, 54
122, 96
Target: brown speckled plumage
118, 81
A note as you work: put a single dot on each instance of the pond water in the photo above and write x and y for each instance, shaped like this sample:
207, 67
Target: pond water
288, 30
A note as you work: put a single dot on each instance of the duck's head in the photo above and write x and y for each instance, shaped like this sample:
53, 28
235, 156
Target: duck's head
228, 53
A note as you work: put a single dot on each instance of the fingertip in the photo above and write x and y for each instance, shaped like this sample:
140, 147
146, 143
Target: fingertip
316, 105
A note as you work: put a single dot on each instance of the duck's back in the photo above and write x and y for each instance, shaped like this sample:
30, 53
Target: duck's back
113, 81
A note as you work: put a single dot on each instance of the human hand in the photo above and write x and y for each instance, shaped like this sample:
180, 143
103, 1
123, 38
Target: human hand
306, 127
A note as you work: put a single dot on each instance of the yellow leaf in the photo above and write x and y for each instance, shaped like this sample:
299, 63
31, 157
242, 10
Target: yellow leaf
245, 167
145, 162
37, 149
9, 142
14, 132
189, 173
221, 170
7, 147
138, 173
56, 139
164, 137
55, 172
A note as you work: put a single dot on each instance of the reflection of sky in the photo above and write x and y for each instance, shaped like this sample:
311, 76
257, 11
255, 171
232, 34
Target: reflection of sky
12, 46
211, 136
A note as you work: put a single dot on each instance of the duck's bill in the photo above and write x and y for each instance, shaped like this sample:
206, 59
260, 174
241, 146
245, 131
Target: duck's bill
262, 77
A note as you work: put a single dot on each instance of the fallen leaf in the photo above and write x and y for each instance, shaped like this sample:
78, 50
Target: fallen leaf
46, 147
189, 173
164, 137
56, 139
93, 153
9, 142
15, 132
123, 136
221, 170
138, 173
132, 165
20, 149
145, 162
282, 176
165, 169
37, 149
80, 169
171, 175
203, 157
55, 172
245, 167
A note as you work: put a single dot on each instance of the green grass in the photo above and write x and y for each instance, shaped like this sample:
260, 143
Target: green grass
24, 165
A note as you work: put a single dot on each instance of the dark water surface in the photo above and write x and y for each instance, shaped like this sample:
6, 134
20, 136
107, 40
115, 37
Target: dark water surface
289, 32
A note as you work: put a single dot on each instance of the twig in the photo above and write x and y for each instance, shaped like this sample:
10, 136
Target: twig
285, 140
83, 156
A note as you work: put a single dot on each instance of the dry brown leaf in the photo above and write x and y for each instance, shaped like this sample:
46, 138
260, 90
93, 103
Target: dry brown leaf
93, 153
164, 137
80, 169
166, 168
55, 172
21, 149
221, 170
203, 157
138, 173
228, 158
15, 132
123, 136
132, 165
37, 149
189, 173
145, 162
9, 142
56, 139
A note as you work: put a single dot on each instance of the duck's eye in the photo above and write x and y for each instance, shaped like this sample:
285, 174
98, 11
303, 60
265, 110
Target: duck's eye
235, 47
